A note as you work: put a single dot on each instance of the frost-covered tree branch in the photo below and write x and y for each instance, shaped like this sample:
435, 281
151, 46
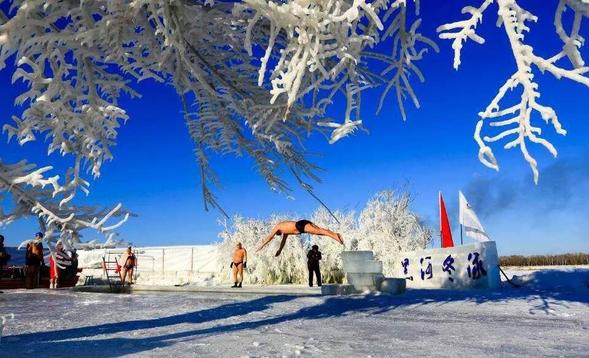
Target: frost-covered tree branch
517, 121
34, 195
79, 58
253, 78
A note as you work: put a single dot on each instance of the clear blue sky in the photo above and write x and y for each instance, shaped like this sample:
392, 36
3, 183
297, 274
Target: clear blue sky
155, 175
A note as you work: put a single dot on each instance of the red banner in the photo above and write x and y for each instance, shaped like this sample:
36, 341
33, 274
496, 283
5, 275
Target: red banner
445, 231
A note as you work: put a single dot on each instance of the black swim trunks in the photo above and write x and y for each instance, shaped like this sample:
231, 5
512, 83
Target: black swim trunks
300, 225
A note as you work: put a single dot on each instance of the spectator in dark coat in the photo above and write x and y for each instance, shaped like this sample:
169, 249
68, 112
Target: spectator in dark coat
313, 258
4, 256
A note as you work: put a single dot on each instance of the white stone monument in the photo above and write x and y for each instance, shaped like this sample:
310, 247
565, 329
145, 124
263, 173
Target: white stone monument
460, 267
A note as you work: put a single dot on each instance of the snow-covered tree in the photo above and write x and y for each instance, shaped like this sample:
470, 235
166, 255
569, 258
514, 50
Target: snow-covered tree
262, 267
386, 226
254, 77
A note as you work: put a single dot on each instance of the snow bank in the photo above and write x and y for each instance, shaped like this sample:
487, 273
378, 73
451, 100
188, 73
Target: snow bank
555, 279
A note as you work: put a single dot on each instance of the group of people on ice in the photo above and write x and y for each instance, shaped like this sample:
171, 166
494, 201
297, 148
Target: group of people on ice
62, 263
286, 229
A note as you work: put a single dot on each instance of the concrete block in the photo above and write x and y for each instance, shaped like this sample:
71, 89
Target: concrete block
393, 286
335, 289
363, 266
357, 255
364, 281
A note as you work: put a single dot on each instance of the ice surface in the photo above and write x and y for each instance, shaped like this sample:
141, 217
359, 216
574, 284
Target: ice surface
536, 321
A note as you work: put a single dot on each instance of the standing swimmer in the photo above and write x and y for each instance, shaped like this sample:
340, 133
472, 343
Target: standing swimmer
129, 261
33, 261
238, 263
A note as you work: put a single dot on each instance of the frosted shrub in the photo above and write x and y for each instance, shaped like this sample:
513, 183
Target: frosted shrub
262, 267
386, 226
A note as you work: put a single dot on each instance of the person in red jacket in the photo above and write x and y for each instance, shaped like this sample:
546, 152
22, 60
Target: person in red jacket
56, 264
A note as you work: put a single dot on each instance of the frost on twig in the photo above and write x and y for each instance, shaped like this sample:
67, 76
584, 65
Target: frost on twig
323, 48
409, 47
465, 29
516, 121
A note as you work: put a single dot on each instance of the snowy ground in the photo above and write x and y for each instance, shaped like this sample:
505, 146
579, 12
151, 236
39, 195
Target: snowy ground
546, 320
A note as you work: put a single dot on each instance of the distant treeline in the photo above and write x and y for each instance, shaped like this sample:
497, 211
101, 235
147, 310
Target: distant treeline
545, 260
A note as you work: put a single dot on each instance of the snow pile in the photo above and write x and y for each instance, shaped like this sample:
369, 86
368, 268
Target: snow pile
3, 320
386, 226
561, 279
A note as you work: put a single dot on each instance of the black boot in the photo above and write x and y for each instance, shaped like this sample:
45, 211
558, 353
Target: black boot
234, 285
239, 286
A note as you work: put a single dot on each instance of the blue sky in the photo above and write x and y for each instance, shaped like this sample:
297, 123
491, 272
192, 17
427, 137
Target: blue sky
155, 175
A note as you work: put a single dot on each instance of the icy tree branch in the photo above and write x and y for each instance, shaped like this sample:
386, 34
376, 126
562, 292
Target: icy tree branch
255, 78
516, 121
466, 29
33, 194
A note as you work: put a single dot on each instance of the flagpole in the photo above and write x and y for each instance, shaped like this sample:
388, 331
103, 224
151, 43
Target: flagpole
460, 215
440, 214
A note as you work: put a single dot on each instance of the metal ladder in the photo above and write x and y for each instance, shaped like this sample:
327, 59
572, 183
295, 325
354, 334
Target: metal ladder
110, 270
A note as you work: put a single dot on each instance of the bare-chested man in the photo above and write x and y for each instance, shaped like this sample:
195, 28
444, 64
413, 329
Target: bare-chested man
238, 263
129, 262
286, 228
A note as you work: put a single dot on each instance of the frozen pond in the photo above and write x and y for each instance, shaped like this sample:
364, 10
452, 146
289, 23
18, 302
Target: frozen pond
510, 322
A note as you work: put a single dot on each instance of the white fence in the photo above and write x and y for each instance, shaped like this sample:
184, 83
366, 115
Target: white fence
172, 265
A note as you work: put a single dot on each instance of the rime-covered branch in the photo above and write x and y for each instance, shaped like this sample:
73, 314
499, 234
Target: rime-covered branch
516, 121
465, 29
33, 194
254, 78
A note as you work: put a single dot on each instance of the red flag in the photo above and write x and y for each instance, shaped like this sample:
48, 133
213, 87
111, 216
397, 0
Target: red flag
446, 233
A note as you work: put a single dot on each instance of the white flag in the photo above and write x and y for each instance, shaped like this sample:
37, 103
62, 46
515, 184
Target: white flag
470, 222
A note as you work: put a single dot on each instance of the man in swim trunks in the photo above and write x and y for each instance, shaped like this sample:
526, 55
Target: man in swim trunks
238, 263
129, 262
286, 228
